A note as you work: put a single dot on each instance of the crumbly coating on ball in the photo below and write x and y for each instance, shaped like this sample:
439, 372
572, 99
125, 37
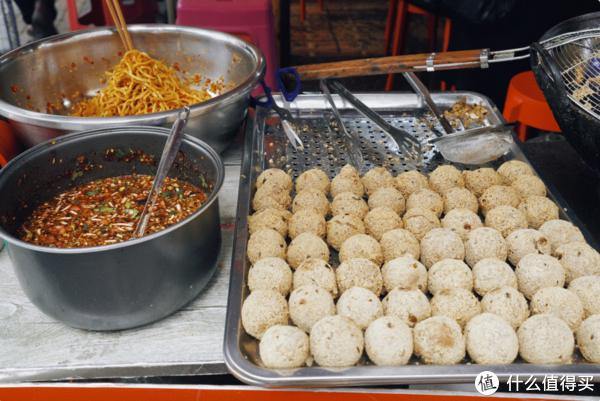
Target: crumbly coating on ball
381, 220
311, 198
460, 198
307, 221
538, 210
316, 272
406, 273
505, 219
313, 178
447, 274
377, 177
462, 222
559, 302
456, 303
579, 259
336, 341
410, 181
263, 309
306, 246
528, 185
271, 196
561, 232
275, 219
266, 243
360, 305
445, 177
399, 242
588, 338
485, 242
508, 303
309, 304
341, 227
419, 221
441, 243
389, 342
348, 180
535, 272
427, 199
275, 176
349, 203
513, 169
545, 339
359, 272
411, 306
361, 246
498, 195
477, 181
284, 347
587, 288
270, 274
439, 341
491, 274
525, 241
491, 340
389, 197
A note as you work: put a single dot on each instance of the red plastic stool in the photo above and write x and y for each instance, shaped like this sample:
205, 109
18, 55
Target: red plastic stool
526, 105
243, 18
134, 11
402, 9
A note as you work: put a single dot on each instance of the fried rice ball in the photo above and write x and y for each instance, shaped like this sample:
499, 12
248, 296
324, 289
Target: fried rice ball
381, 220
266, 243
447, 274
535, 272
508, 303
341, 227
388, 197
389, 342
316, 272
276, 219
579, 259
505, 219
441, 243
348, 180
445, 177
491, 340
271, 196
360, 305
309, 304
525, 241
538, 210
529, 185
428, 199
275, 176
307, 221
498, 195
270, 274
406, 273
439, 341
561, 232
314, 178
587, 288
336, 341
513, 169
263, 309
361, 246
559, 302
588, 338
477, 181
491, 274
462, 222
409, 182
311, 198
459, 198
545, 339
399, 242
306, 246
419, 221
411, 306
349, 203
456, 303
283, 347
376, 178
485, 242
359, 272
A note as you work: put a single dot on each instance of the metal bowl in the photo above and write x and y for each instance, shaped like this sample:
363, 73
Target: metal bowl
56, 69
117, 286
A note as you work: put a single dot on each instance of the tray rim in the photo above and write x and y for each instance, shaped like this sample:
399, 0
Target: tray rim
316, 376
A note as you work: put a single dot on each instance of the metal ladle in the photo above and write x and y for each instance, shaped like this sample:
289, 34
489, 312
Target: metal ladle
166, 161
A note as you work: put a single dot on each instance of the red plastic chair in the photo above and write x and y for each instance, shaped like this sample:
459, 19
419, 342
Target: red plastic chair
303, 8
134, 11
402, 9
526, 105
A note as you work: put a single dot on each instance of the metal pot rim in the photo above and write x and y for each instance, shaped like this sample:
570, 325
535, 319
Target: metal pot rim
75, 123
23, 158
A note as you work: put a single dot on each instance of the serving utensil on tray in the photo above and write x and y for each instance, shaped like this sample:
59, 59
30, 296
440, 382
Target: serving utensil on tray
166, 161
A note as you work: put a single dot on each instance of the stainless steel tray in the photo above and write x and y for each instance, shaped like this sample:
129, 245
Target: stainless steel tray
266, 146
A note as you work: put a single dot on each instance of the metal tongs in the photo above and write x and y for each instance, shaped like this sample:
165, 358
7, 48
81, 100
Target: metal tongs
167, 158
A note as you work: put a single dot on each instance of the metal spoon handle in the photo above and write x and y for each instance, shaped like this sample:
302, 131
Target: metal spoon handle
166, 161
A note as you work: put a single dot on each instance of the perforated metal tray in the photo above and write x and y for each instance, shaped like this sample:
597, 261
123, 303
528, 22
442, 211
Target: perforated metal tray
266, 146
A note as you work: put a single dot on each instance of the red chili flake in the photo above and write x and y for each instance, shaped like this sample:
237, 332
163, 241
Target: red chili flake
14, 88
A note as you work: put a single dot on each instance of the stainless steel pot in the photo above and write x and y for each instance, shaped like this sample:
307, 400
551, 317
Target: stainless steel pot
126, 284
57, 68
